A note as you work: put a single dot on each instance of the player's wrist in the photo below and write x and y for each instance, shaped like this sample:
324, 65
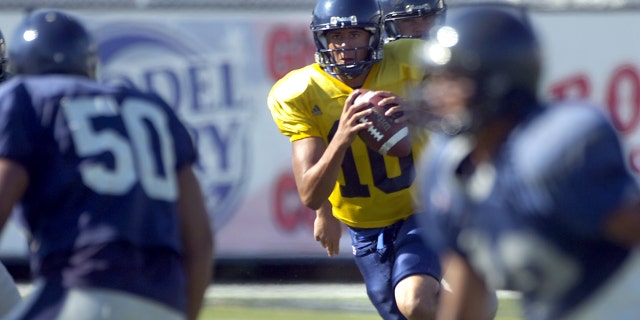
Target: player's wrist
324, 214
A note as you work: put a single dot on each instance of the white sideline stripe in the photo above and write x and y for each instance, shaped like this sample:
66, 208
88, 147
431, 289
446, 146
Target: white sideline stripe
304, 291
506, 294
288, 291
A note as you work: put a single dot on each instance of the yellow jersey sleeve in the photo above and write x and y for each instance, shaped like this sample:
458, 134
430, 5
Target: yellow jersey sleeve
302, 101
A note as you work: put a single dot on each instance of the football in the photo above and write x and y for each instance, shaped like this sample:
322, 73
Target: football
384, 136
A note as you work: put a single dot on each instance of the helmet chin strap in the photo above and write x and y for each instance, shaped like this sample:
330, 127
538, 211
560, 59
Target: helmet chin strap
355, 71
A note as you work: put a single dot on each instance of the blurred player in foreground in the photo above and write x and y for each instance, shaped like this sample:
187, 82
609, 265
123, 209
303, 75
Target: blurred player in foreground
9, 294
337, 175
410, 18
523, 196
116, 220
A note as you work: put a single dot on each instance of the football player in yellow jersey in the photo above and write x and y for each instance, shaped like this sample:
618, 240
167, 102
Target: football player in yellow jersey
343, 180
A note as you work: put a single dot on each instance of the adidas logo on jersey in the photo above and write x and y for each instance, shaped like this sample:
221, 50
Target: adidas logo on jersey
316, 111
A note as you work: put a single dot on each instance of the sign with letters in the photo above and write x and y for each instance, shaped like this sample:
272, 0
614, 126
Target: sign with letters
216, 69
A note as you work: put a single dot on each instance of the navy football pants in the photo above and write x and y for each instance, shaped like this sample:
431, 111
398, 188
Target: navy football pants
387, 255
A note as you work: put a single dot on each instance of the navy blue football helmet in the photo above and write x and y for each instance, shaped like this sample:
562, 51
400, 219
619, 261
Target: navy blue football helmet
394, 10
50, 41
496, 47
346, 14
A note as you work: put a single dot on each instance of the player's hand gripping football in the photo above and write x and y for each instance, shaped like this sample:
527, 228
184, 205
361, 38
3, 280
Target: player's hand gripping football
350, 124
400, 109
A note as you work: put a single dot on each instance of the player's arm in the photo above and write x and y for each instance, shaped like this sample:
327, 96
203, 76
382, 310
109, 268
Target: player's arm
197, 240
315, 179
14, 180
316, 166
618, 218
468, 296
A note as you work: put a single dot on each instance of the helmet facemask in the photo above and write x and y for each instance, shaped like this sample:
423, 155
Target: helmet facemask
448, 96
326, 56
393, 30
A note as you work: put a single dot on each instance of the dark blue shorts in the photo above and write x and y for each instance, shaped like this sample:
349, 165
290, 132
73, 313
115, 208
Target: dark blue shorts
387, 255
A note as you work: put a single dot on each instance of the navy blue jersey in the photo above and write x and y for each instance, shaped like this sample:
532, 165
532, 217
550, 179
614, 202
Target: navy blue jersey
532, 220
102, 165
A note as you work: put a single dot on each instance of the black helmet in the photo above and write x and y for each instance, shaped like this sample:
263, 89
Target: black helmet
50, 41
394, 10
494, 46
346, 14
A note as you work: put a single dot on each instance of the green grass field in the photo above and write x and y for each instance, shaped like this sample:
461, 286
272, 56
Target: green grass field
308, 303
301, 302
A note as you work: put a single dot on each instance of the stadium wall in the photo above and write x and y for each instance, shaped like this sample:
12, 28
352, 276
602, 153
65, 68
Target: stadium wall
215, 65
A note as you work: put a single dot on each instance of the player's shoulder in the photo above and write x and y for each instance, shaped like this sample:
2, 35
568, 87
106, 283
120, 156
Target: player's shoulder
575, 114
51, 85
557, 130
402, 51
400, 60
565, 122
23, 90
401, 46
297, 82
300, 77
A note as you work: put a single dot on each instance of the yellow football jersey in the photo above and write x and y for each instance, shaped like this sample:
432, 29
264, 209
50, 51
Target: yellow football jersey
372, 190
